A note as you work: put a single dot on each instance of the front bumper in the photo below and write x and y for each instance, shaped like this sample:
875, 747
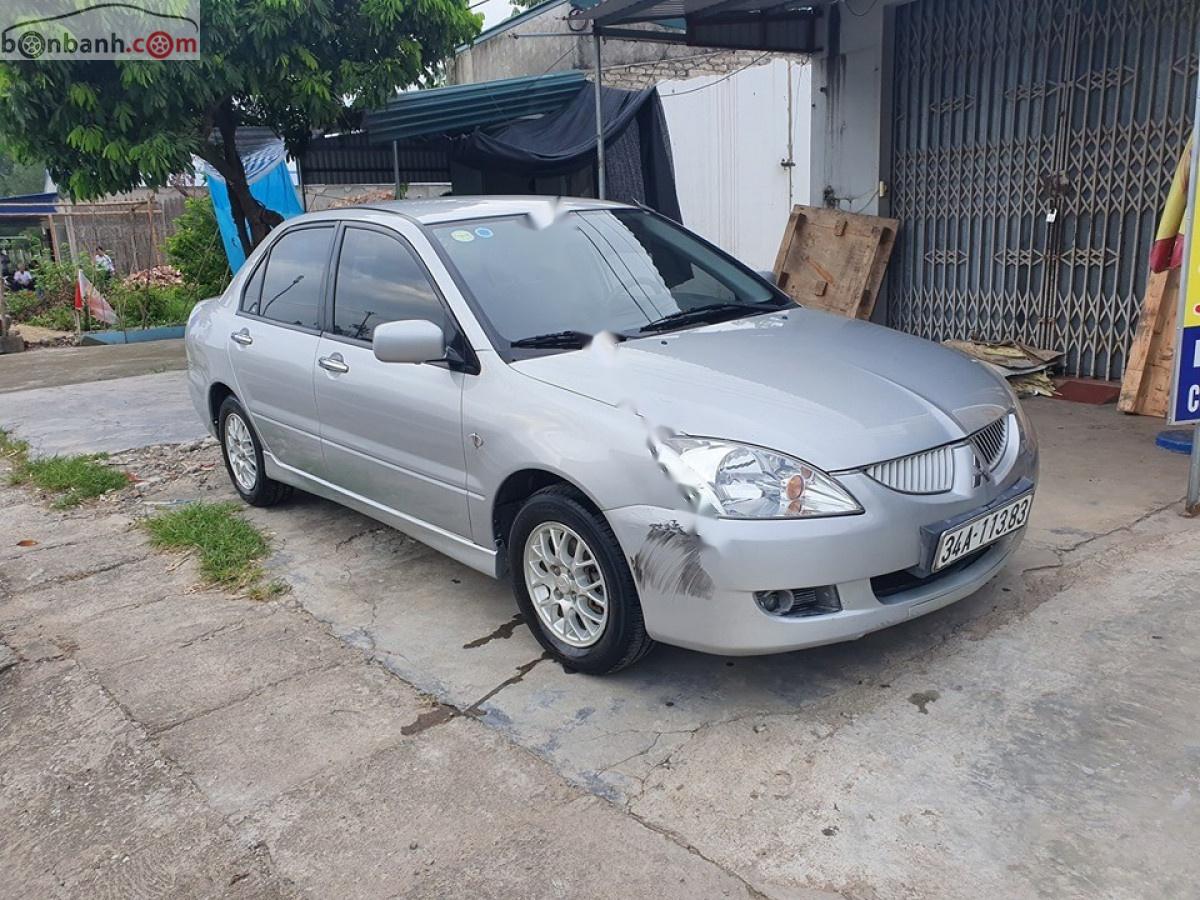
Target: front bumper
697, 576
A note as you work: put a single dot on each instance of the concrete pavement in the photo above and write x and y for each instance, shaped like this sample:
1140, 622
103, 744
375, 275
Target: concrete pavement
164, 742
81, 365
1038, 739
98, 399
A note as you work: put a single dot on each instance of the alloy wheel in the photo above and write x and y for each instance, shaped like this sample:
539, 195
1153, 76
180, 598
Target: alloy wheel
239, 448
566, 584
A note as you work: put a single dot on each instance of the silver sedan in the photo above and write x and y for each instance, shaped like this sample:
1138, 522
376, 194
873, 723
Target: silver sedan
649, 439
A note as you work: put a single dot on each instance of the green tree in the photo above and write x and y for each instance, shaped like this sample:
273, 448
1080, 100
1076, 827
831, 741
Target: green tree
294, 66
195, 248
19, 178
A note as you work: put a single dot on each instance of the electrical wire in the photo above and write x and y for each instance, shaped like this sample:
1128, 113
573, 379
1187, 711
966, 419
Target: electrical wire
492, 97
870, 199
724, 77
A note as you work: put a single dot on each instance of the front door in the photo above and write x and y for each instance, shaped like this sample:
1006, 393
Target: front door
273, 346
391, 432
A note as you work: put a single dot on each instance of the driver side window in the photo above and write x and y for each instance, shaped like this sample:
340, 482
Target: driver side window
379, 279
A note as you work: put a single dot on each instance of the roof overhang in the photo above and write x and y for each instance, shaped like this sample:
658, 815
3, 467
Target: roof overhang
28, 206
768, 25
463, 107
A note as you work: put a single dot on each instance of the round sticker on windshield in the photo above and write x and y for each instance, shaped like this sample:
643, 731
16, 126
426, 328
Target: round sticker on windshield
483, 232
462, 236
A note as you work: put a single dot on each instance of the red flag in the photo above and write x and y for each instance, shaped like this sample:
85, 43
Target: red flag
97, 306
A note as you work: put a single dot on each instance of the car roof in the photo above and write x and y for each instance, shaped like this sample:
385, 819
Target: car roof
453, 209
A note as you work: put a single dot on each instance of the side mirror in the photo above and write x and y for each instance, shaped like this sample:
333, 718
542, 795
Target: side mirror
408, 341
767, 275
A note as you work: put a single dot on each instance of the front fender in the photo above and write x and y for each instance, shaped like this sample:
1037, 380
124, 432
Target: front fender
523, 423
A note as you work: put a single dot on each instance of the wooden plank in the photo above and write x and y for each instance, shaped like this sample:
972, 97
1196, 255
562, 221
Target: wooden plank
1146, 391
1139, 351
833, 260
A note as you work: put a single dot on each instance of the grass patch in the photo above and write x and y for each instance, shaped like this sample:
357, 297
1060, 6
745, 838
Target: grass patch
227, 546
11, 448
73, 478
272, 590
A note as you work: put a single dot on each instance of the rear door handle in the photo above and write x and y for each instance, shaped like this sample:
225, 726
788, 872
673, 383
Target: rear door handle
242, 337
333, 363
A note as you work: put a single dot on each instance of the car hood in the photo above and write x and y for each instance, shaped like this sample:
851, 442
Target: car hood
838, 393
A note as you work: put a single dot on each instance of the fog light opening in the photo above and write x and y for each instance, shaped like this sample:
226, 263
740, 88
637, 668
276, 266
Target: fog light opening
777, 603
799, 602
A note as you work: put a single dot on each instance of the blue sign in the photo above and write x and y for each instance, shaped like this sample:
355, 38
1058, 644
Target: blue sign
1187, 392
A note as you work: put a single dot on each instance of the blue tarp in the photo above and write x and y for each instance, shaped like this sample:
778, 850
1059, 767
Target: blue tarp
270, 184
273, 190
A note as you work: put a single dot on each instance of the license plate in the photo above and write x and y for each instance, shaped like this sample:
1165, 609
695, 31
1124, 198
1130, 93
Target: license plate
969, 537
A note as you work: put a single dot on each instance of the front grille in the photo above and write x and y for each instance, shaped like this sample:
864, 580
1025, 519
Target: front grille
989, 442
931, 472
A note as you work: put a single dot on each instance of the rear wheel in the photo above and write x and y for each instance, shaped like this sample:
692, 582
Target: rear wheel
574, 586
244, 459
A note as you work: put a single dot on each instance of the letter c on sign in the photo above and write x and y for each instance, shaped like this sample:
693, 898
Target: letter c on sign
1193, 400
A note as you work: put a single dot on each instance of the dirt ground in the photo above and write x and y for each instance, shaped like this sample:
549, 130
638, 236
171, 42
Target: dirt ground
389, 727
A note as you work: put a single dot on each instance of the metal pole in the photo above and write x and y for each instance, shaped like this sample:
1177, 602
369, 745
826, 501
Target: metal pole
396, 168
601, 192
1192, 507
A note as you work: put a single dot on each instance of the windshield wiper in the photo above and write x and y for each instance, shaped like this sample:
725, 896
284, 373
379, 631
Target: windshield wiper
710, 312
567, 340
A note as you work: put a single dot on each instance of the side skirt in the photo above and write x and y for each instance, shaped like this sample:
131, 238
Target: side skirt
457, 548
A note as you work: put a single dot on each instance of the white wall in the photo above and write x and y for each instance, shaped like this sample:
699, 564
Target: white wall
849, 111
728, 136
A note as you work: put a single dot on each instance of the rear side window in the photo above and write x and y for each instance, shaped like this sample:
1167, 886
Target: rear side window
379, 279
252, 296
291, 287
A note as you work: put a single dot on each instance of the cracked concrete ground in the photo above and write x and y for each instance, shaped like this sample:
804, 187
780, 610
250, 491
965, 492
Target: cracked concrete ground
390, 726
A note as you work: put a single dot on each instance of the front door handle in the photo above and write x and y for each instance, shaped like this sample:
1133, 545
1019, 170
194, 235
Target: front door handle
242, 337
333, 363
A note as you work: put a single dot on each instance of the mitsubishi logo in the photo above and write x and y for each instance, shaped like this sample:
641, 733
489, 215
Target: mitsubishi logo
979, 472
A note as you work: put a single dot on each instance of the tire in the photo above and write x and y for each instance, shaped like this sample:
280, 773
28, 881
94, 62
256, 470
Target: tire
620, 639
258, 490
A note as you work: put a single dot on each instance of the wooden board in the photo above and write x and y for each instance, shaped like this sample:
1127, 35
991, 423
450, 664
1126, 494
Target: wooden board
835, 260
1146, 387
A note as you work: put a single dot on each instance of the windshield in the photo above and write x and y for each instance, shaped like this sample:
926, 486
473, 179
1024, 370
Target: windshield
596, 270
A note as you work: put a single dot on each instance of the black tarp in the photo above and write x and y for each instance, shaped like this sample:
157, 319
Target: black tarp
563, 142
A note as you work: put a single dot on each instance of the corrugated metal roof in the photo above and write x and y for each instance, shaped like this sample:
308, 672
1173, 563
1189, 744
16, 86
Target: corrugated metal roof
769, 25
623, 12
28, 205
350, 159
463, 107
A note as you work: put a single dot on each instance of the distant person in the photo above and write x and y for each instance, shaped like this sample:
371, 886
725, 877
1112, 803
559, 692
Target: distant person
103, 262
23, 278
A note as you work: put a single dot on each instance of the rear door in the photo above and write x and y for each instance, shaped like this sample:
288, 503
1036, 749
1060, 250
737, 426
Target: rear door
391, 432
273, 346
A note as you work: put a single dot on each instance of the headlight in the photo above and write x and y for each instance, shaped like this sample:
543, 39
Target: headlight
1026, 427
745, 482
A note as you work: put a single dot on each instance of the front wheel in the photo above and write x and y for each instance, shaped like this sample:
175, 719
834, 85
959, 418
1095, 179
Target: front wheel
573, 585
244, 457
